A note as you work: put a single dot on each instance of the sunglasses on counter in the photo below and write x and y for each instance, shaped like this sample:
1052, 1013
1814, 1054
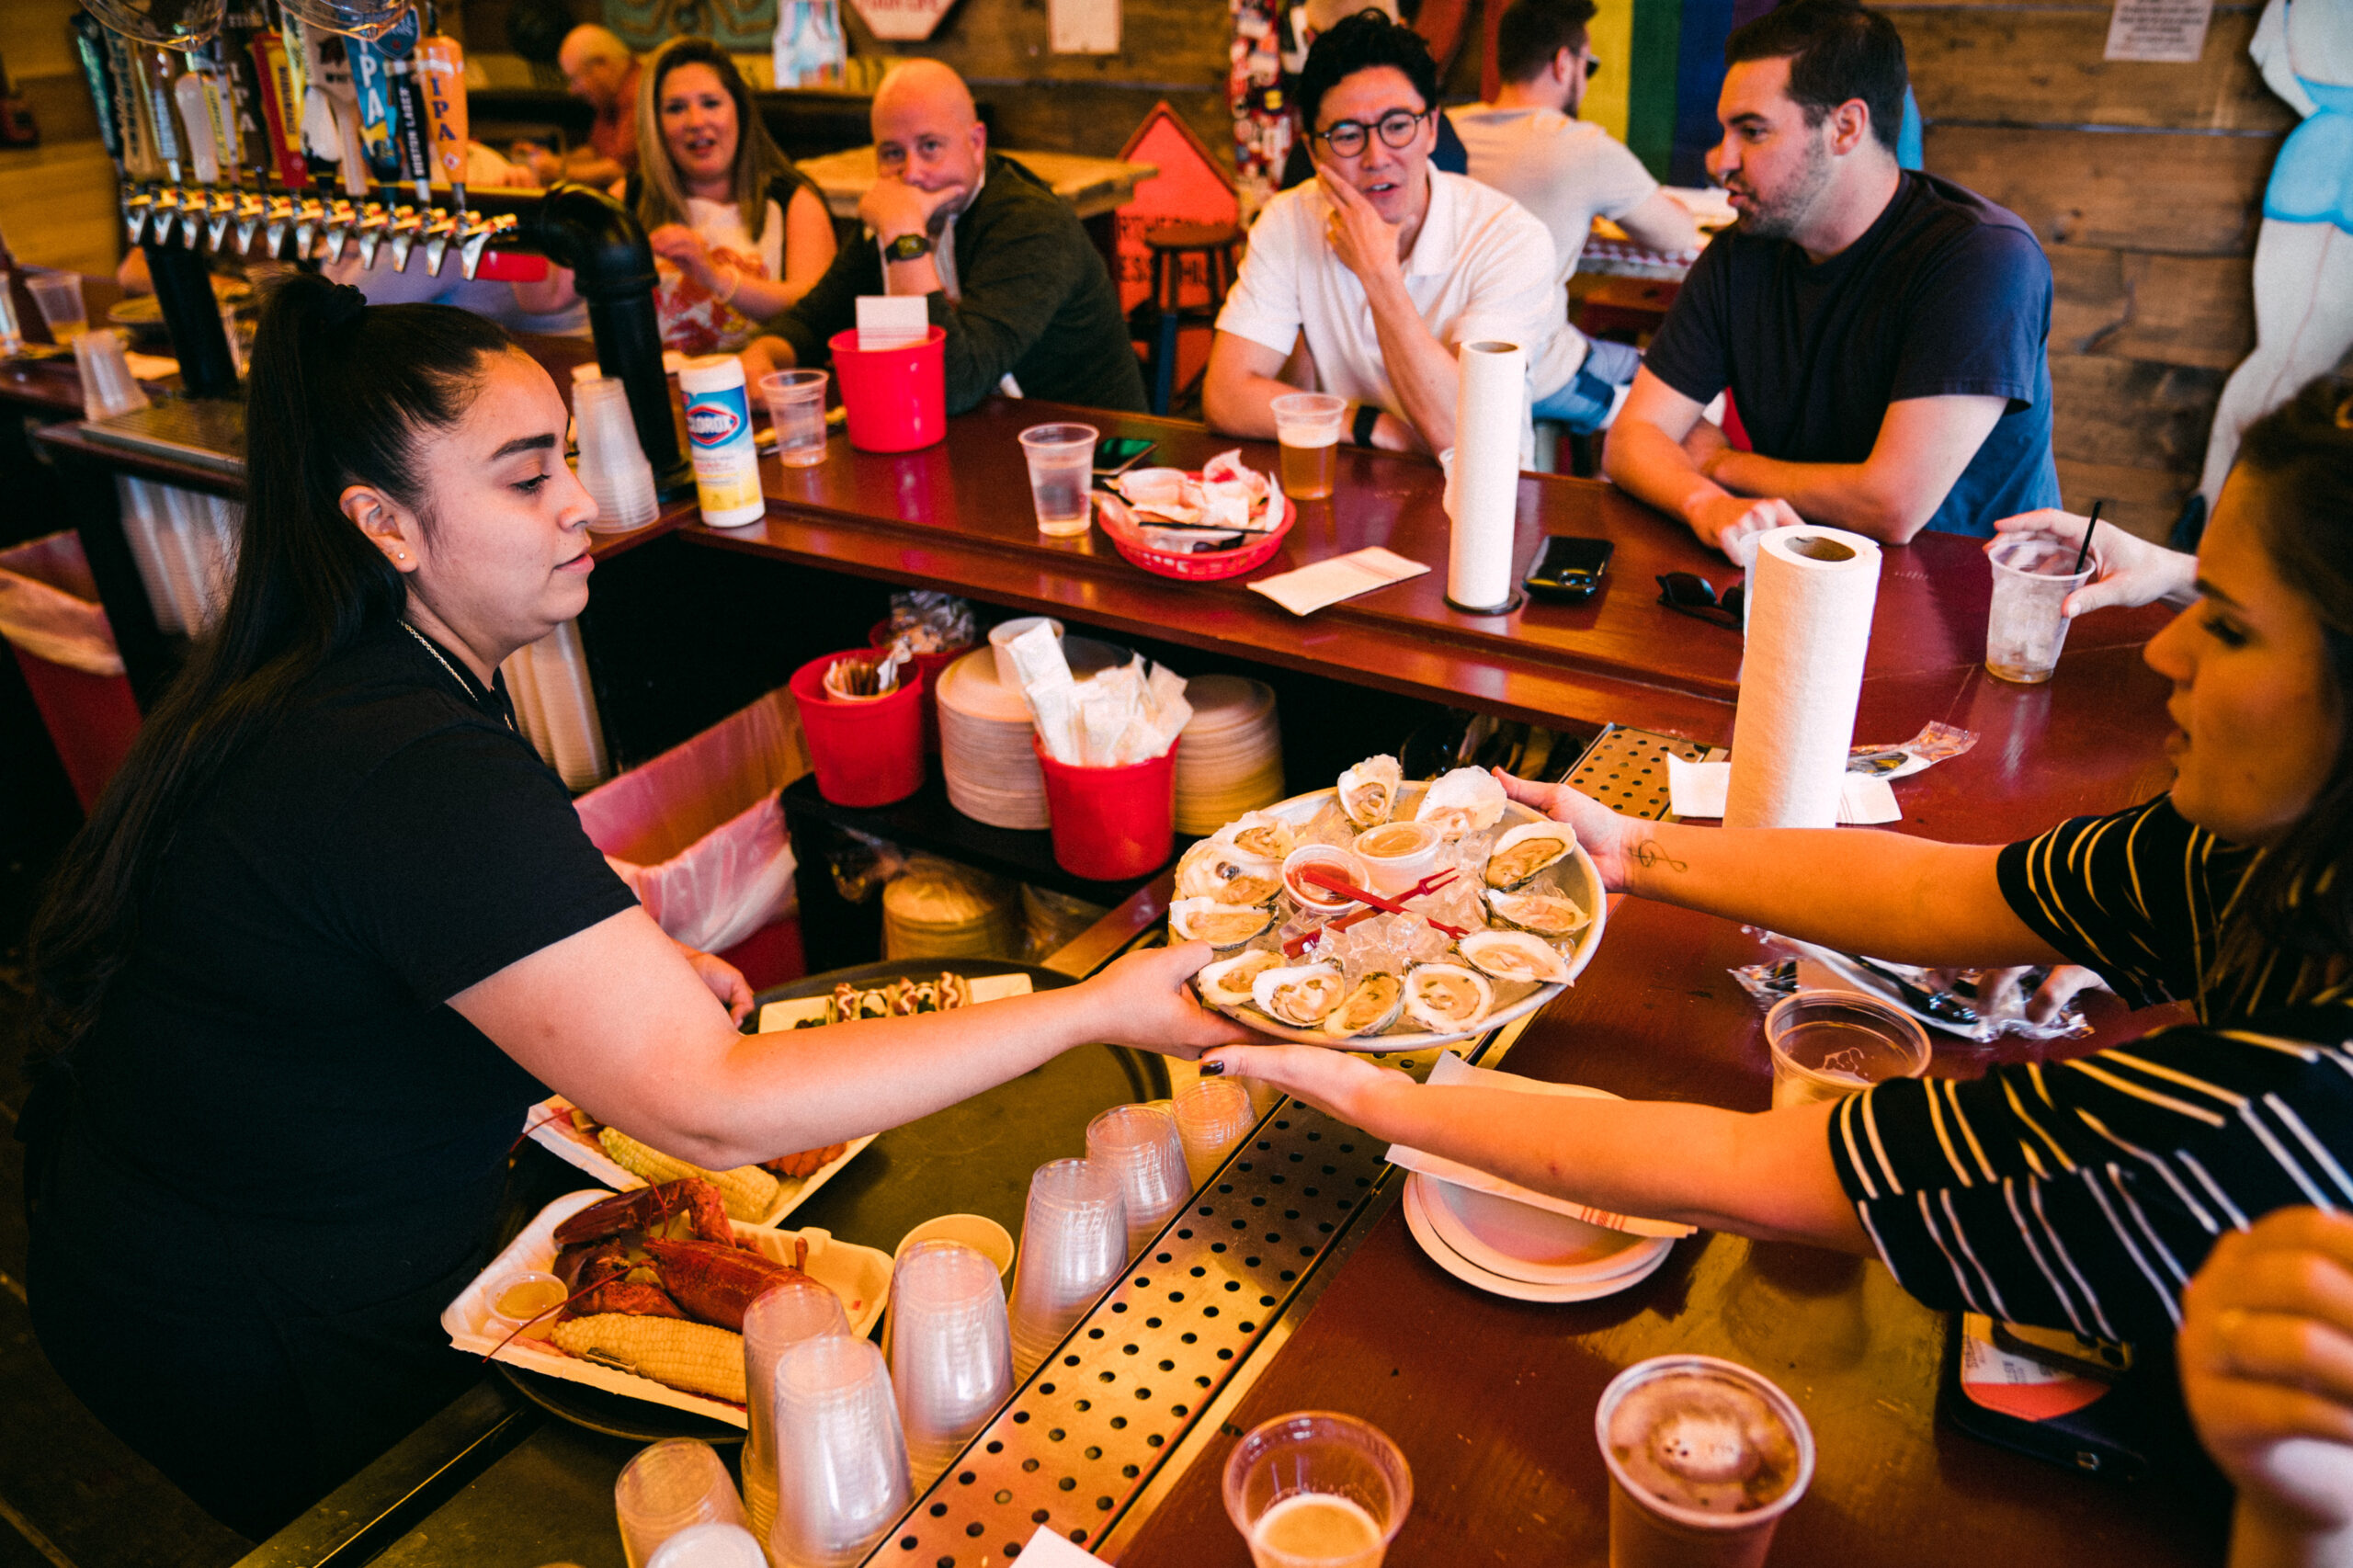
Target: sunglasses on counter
1687, 593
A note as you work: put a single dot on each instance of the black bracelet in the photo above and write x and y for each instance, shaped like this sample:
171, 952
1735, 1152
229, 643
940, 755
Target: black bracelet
1368, 415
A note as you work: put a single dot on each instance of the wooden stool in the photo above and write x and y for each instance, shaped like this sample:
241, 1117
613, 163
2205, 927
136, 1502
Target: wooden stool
1163, 313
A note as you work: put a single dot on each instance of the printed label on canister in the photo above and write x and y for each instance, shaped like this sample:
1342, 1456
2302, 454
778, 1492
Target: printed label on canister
719, 439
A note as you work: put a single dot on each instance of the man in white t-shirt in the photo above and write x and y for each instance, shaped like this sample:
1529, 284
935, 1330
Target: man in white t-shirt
1530, 144
1381, 263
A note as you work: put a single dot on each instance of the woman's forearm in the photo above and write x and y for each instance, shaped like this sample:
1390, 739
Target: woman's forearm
1766, 1176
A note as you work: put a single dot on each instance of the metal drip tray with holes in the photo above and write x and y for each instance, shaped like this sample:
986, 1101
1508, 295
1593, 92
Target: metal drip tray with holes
1626, 770
209, 432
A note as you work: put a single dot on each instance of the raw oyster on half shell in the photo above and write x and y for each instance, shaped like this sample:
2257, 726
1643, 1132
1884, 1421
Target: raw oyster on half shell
1538, 910
1526, 850
1222, 926
1446, 998
1368, 790
1516, 955
1371, 1006
1302, 996
1227, 982
1261, 834
1214, 868
1466, 800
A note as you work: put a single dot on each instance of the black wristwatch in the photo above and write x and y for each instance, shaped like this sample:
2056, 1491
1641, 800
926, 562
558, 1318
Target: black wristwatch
908, 247
1368, 415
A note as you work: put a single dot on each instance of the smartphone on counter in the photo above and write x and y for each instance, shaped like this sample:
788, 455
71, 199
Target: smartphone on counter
1117, 454
1569, 569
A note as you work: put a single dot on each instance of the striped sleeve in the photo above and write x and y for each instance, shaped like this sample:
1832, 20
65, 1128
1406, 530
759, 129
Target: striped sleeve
2083, 1195
2124, 895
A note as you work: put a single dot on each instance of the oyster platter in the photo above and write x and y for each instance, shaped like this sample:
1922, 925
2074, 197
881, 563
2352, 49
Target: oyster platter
1479, 911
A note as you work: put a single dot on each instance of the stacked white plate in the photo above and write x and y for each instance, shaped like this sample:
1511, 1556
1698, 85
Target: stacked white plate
1517, 1250
984, 730
938, 909
1231, 760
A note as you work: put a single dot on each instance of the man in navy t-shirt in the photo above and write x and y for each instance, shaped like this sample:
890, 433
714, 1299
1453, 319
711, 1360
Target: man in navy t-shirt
1882, 333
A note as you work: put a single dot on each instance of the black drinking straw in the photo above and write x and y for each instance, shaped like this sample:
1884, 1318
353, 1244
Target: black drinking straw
2086, 549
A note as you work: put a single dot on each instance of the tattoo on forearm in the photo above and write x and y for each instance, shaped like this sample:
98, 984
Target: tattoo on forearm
1649, 856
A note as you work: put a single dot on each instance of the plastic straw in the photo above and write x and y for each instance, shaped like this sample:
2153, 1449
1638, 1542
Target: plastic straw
2086, 548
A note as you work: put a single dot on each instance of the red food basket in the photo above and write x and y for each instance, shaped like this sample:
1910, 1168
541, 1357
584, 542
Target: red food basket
1126, 538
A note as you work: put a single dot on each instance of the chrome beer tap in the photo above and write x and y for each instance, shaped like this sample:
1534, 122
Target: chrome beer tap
196, 210
137, 209
251, 209
340, 218
164, 213
438, 233
216, 226
408, 223
277, 211
478, 233
370, 232
310, 211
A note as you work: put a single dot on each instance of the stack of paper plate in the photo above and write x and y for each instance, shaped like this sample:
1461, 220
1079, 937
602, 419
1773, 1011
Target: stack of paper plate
985, 752
938, 909
1517, 1250
1231, 758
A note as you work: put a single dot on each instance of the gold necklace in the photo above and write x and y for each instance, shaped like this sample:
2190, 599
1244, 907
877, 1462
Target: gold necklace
428, 645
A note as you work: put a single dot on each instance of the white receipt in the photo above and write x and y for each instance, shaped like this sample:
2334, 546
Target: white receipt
1343, 577
1698, 789
888, 321
1056, 1552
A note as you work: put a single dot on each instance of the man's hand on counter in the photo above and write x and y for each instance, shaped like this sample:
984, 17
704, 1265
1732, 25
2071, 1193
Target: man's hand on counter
1143, 1000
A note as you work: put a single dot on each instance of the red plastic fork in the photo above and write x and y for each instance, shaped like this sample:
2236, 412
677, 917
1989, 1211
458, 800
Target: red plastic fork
1429, 884
1322, 877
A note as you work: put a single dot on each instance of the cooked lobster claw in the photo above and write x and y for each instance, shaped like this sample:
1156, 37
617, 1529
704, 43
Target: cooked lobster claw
715, 1283
684, 1210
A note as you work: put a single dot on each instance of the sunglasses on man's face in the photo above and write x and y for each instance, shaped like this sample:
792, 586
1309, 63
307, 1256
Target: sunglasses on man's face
1687, 593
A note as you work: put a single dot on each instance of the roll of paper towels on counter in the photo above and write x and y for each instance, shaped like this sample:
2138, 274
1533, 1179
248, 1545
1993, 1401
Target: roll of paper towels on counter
1810, 599
1482, 488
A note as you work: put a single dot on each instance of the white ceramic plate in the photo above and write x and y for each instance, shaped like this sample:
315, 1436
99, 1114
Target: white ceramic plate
1418, 1220
1521, 1241
860, 1276
1582, 883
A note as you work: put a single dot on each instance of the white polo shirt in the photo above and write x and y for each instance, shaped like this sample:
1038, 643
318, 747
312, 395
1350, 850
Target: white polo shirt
1481, 268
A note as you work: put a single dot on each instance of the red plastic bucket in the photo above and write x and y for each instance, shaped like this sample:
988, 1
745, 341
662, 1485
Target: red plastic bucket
1111, 822
933, 666
866, 753
896, 398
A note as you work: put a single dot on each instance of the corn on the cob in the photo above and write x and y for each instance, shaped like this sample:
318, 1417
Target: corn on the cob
694, 1357
748, 1190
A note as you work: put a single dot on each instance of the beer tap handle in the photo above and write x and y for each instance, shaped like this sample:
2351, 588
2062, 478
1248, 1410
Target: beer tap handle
251, 209
406, 222
371, 232
340, 217
438, 236
309, 214
138, 207
477, 238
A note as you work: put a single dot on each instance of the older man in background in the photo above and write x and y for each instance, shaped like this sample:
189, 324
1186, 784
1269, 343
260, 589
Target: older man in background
1009, 275
599, 68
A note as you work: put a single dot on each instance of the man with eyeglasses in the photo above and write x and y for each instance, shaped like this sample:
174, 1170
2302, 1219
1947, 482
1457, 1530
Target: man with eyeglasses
1530, 144
1381, 265
1882, 333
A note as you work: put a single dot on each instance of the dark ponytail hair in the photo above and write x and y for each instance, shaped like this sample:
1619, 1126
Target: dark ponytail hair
337, 395
2298, 898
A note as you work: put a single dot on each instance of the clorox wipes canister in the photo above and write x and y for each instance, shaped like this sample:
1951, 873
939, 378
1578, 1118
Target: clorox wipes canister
719, 432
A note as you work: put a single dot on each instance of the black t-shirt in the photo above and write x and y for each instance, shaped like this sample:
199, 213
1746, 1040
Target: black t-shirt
277, 1047
1945, 295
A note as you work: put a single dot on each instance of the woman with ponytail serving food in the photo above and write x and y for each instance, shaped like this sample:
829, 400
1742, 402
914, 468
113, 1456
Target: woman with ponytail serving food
334, 927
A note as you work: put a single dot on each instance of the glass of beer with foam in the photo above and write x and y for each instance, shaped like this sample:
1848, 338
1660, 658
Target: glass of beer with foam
1308, 426
1315, 1489
1704, 1458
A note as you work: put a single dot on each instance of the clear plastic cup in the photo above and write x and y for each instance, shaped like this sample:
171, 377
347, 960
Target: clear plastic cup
1307, 429
1212, 1116
1704, 1457
711, 1546
59, 295
841, 1462
1073, 1244
668, 1487
2033, 574
1828, 1044
980, 1232
778, 1320
1315, 1489
108, 385
796, 400
612, 463
1062, 472
12, 332
1139, 1144
951, 1351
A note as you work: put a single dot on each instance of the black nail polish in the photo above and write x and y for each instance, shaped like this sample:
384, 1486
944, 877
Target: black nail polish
1211, 1069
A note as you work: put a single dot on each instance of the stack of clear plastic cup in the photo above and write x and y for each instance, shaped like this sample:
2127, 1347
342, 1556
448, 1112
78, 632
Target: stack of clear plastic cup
1212, 1116
952, 1350
1138, 1144
612, 464
667, 1488
59, 296
779, 1320
1073, 1244
841, 1462
711, 1546
108, 385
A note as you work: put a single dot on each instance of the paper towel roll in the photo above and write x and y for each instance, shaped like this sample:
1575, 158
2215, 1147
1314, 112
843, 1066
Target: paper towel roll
1491, 390
1810, 598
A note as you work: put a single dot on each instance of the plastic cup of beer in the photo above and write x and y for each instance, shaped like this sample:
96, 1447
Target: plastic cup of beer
2033, 574
12, 336
1828, 1044
1062, 472
1315, 1489
59, 295
796, 400
1704, 1458
1307, 426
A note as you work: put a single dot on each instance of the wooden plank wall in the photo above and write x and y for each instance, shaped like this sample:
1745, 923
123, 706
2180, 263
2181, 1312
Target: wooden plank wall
2145, 182
57, 200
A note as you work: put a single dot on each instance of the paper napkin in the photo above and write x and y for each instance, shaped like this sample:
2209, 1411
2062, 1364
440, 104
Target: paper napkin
1310, 588
1697, 789
1452, 1070
888, 321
